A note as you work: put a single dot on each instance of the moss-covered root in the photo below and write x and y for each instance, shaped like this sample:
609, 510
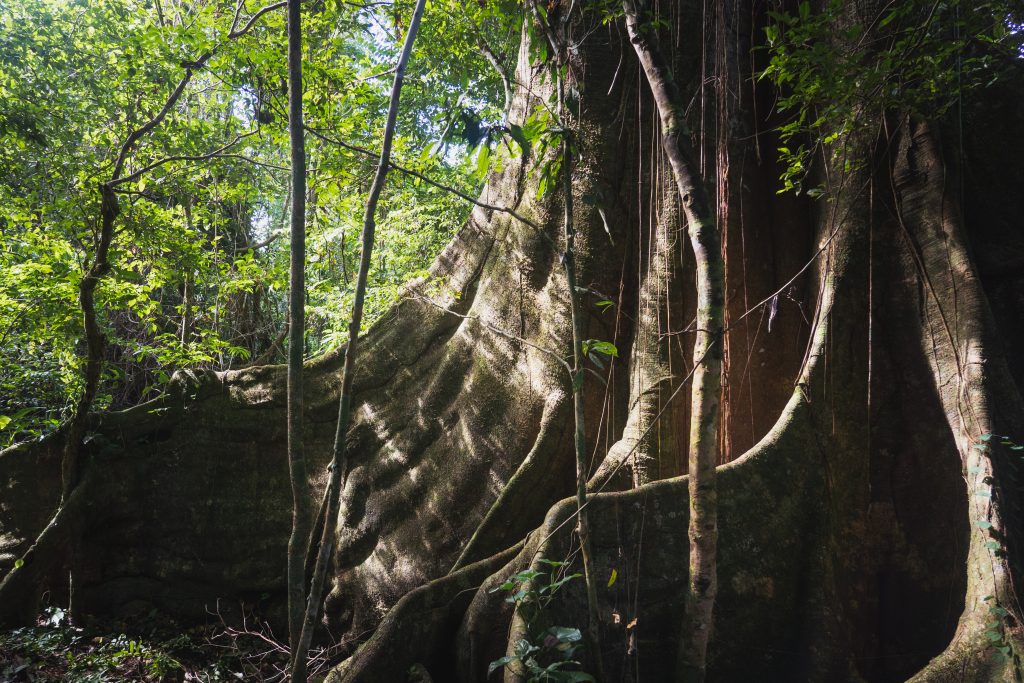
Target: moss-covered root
20, 589
419, 628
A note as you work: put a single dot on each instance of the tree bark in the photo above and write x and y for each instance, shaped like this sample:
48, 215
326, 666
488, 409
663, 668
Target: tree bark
849, 544
707, 350
297, 473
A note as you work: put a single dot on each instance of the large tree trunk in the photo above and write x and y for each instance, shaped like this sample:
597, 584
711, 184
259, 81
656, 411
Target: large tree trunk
849, 543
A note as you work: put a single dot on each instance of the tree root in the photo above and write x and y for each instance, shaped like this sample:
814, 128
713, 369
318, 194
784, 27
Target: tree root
21, 587
419, 627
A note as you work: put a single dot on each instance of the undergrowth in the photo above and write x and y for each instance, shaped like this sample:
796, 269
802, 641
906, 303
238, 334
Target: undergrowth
55, 650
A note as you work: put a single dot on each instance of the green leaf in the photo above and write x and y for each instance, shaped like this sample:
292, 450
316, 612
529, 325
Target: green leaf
19, 563
4, 421
555, 585
552, 563
577, 382
565, 634
519, 135
612, 578
575, 677
602, 347
500, 663
483, 160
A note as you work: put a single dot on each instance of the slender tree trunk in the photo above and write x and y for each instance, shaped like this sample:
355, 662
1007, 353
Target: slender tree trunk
578, 370
186, 289
707, 351
94, 339
558, 38
338, 463
301, 504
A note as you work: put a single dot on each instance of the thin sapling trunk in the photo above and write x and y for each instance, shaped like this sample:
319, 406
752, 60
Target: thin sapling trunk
579, 438
559, 46
339, 464
707, 376
301, 522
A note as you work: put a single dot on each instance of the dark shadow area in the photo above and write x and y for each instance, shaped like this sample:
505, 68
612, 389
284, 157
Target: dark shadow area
914, 554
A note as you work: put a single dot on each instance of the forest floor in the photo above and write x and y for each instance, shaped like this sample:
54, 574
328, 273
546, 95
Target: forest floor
155, 652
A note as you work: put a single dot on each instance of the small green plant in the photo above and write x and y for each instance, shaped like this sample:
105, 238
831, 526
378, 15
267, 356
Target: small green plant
599, 351
996, 627
546, 657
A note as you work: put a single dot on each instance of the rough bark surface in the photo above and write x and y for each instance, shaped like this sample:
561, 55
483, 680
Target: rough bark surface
849, 543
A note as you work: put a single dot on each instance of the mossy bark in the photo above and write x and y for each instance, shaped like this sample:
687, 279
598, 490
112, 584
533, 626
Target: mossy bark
849, 547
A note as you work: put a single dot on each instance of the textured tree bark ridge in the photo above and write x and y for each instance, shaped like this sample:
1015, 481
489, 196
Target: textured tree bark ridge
849, 539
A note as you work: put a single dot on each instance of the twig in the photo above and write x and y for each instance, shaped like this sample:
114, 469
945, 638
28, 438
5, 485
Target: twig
253, 19
441, 186
180, 157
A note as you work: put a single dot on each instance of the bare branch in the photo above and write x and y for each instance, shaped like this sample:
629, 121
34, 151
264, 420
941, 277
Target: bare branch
172, 99
237, 33
441, 186
181, 157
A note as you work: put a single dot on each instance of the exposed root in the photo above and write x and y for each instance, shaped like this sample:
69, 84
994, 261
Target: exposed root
972, 381
418, 628
20, 589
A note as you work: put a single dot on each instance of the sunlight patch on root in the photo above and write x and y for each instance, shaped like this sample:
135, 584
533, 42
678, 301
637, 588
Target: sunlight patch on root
418, 628
979, 397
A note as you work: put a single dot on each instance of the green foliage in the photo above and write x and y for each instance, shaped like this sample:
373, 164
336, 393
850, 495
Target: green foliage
996, 629
185, 288
547, 657
599, 351
836, 71
55, 651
